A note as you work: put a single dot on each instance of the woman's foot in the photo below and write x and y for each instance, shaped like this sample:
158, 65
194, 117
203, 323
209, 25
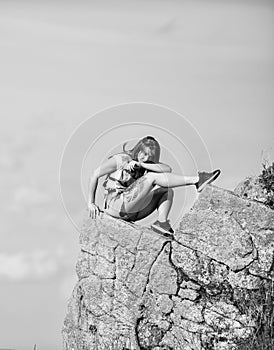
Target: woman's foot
206, 178
163, 227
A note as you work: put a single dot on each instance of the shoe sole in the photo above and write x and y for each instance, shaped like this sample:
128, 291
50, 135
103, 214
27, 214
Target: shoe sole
216, 173
162, 231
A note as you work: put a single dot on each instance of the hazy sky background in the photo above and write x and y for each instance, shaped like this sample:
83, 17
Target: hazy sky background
64, 61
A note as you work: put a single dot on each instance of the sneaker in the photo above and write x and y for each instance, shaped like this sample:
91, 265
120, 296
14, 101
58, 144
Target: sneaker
163, 227
206, 178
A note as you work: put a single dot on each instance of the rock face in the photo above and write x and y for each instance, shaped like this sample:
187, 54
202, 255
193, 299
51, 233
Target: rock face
201, 290
251, 188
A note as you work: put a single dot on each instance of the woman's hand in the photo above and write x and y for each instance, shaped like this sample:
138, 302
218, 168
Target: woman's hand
93, 210
131, 165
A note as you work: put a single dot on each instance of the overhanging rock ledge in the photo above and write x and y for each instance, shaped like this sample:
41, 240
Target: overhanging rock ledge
201, 290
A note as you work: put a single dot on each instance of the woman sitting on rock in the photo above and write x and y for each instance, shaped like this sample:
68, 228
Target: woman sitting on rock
137, 184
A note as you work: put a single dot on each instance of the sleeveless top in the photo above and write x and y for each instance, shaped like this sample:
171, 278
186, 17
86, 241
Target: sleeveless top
119, 181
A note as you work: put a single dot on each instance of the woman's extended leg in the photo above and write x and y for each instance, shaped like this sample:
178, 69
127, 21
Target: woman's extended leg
172, 180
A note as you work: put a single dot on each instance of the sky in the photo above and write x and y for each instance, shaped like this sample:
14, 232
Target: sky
71, 74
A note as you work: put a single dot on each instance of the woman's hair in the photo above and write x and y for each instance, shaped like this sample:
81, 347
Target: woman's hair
141, 145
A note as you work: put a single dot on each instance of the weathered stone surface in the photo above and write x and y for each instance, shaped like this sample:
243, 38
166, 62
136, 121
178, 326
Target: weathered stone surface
188, 310
251, 188
225, 231
257, 220
163, 276
203, 290
188, 294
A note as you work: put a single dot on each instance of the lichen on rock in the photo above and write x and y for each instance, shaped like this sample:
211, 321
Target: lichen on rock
202, 290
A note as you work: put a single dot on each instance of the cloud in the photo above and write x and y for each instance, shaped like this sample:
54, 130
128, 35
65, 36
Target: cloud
30, 195
38, 264
8, 162
167, 27
27, 196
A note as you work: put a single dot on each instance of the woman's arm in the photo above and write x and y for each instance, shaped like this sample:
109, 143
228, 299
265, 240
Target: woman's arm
157, 168
106, 168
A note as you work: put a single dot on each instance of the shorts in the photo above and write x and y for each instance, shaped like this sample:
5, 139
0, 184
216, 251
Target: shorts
125, 216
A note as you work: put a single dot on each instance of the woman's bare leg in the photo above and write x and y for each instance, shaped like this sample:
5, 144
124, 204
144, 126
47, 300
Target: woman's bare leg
140, 194
137, 199
164, 205
173, 180
161, 201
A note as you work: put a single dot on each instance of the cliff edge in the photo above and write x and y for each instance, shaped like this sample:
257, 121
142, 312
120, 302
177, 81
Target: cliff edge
211, 287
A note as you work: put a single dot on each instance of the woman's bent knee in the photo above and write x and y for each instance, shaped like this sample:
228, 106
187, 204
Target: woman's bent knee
150, 178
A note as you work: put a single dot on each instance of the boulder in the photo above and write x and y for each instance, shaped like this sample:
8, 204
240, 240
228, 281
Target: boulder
204, 289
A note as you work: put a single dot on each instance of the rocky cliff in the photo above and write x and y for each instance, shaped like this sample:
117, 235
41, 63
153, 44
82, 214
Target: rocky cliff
211, 287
